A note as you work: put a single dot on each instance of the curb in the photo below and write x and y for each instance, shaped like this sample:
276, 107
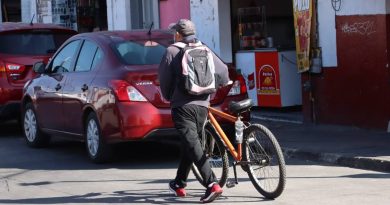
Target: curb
337, 159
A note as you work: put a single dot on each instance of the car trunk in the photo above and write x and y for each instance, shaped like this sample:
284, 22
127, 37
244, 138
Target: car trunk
145, 80
18, 69
21, 48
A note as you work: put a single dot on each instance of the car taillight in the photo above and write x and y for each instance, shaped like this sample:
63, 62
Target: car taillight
2, 70
238, 87
125, 92
14, 68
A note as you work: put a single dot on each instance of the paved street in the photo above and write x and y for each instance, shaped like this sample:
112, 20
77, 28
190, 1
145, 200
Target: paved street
62, 174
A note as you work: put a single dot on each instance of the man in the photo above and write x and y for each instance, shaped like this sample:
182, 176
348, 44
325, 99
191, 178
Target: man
189, 112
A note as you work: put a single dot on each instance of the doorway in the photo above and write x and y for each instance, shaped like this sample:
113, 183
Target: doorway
11, 11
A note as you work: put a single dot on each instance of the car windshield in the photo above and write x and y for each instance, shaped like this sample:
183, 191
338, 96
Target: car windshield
31, 43
140, 52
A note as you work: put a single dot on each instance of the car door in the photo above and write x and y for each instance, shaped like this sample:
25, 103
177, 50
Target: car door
50, 88
77, 89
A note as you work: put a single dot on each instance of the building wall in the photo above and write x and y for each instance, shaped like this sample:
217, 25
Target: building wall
212, 18
118, 15
29, 11
356, 90
170, 13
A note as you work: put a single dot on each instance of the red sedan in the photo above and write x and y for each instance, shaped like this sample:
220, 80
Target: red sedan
103, 88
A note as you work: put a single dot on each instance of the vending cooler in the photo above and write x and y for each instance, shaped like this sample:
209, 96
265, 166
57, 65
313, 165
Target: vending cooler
272, 77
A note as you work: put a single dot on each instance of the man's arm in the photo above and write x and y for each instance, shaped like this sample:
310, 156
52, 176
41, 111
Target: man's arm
221, 70
166, 75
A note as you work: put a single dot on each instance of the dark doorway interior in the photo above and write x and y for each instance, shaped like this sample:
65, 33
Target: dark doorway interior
11, 11
92, 15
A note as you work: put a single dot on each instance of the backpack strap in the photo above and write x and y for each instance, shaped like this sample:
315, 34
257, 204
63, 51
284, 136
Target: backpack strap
183, 45
198, 43
180, 45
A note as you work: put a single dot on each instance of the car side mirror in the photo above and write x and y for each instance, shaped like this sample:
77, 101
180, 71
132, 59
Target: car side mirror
39, 67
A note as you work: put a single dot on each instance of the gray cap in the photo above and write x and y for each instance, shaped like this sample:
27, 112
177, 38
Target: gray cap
184, 26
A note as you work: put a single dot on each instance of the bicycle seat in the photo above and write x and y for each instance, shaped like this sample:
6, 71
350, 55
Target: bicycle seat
240, 106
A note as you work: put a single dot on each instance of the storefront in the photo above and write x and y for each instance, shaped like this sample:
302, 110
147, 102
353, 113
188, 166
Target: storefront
258, 37
351, 44
264, 50
79, 15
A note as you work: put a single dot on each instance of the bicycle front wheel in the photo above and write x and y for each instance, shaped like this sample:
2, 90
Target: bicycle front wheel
216, 154
266, 167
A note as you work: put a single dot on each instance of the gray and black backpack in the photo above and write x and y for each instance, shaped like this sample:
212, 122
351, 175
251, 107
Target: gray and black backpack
197, 75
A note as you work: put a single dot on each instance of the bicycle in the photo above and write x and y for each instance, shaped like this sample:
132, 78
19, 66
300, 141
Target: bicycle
257, 151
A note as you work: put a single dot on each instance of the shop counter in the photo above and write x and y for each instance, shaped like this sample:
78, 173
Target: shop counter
271, 75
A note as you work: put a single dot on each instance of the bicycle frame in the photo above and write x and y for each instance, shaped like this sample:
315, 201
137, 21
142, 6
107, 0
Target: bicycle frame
237, 154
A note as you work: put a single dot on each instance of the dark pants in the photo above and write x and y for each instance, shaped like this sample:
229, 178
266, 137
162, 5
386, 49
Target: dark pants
189, 120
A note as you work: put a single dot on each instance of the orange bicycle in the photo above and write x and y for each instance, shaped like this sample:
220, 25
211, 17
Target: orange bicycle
256, 150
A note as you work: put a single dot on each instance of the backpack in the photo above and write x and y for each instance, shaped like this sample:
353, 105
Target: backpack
197, 76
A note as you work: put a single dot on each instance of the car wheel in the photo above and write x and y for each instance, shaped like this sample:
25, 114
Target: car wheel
33, 135
98, 150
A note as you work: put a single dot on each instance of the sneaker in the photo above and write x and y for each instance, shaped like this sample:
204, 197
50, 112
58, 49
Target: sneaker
179, 191
213, 191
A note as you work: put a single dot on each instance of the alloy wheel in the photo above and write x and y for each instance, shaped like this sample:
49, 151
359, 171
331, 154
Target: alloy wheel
92, 137
30, 125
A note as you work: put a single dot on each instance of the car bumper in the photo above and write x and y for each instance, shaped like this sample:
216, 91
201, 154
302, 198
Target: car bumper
138, 120
143, 121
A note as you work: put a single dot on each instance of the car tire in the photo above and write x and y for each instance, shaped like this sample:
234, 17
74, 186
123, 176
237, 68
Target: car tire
32, 133
98, 150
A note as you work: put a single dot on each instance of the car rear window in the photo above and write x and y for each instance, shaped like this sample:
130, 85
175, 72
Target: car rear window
140, 52
32, 43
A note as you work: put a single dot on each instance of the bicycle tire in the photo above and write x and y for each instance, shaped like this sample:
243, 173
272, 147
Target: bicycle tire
216, 155
266, 166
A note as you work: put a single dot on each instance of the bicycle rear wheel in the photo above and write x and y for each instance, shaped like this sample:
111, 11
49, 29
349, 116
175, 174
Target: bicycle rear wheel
216, 155
266, 167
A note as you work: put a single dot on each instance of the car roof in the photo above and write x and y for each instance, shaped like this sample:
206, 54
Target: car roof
121, 35
14, 26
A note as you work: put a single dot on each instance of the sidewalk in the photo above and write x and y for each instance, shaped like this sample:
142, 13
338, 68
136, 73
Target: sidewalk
340, 145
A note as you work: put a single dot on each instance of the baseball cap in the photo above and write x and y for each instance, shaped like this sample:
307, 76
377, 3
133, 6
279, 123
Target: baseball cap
184, 26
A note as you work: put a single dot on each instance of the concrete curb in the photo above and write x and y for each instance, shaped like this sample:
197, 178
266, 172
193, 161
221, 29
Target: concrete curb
338, 159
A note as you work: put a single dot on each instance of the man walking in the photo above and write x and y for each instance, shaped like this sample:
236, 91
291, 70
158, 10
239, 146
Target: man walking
189, 112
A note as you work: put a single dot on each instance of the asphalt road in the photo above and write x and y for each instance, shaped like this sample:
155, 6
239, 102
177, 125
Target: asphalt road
62, 174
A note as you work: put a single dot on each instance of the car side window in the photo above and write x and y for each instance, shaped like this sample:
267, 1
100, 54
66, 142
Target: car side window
63, 61
86, 57
98, 57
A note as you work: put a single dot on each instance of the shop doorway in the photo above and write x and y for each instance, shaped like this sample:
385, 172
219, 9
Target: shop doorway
11, 10
91, 15
263, 44
79, 15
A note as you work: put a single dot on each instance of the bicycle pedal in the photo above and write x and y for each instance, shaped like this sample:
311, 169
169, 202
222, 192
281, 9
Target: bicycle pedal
230, 184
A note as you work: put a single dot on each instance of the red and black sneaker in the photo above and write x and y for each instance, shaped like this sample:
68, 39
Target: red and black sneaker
179, 191
213, 191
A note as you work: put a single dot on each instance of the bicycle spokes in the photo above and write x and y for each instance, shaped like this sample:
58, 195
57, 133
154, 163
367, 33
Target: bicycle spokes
265, 161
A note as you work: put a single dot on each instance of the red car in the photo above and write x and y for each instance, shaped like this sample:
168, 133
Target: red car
21, 45
103, 88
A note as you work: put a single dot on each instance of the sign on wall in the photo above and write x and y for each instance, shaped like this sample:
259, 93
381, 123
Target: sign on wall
302, 25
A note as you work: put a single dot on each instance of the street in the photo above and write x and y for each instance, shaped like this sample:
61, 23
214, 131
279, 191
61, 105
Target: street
62, 174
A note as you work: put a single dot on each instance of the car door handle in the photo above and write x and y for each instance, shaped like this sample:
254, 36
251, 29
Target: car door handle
58, 86
84, 87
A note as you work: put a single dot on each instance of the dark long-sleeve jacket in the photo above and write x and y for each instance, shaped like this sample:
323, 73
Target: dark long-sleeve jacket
169, 70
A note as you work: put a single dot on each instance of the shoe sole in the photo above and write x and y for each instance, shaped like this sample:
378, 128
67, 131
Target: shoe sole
212, 197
